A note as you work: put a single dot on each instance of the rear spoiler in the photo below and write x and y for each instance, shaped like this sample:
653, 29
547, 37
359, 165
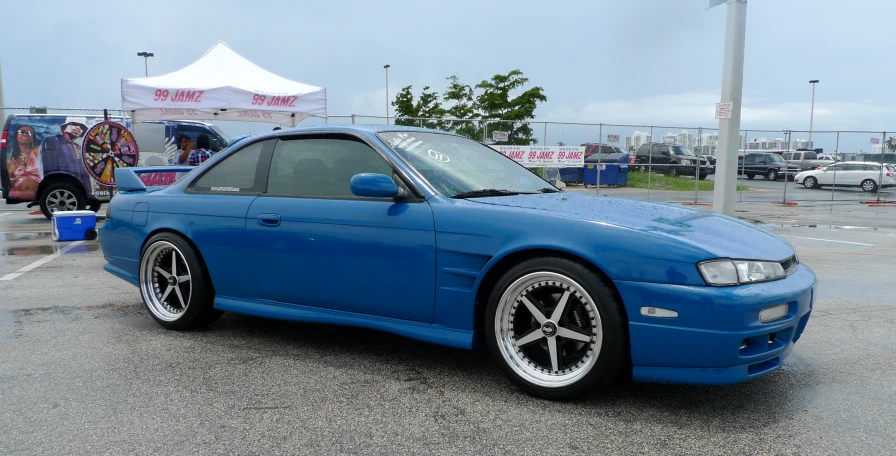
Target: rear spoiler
138, 179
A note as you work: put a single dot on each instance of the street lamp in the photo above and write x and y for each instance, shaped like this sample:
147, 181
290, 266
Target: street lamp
146, 56
387, 93
812, 112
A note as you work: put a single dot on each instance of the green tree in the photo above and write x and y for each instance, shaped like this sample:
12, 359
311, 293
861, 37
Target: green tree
428, 106
512, 114
891, 144
460, 97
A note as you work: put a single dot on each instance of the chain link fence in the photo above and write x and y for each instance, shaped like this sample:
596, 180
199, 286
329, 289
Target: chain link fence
685, 175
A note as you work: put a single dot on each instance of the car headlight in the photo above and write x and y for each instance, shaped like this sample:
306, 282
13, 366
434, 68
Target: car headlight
739, 272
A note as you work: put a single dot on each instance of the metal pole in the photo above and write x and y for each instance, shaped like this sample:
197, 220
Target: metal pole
880, 180
545, 137
786, 167
2, 103
742, 173
649, 163
697, 173
811, 115
732, 91
836, 150
600, 137
387, 93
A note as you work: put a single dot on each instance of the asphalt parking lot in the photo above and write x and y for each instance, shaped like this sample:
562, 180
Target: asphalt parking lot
85, 370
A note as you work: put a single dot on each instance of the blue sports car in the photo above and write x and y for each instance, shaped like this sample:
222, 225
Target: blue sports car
436, 237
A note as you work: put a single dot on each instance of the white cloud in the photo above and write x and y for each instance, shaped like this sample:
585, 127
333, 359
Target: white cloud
697, 109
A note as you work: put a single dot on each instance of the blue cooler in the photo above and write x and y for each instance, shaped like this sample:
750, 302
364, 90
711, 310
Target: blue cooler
74, 225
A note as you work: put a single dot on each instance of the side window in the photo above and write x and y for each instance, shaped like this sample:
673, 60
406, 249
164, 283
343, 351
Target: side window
236, 173
321, 167
871, 168
655, 150
664, 151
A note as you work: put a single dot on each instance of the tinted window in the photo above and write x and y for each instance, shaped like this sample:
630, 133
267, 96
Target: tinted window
236, 173
871, 168
754, 159
321, 166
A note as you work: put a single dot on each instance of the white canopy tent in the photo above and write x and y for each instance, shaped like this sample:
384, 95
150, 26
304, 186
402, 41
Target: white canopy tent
222, 85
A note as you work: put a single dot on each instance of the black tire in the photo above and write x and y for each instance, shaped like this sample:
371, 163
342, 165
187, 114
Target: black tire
772, 175
750, 175
673, 170
869, 186
61, 196
169, 310
594, 358
810, 182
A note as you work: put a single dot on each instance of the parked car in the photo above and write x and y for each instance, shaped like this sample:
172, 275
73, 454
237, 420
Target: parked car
671, 159
711, 159
593, 148
27, 176
830, 158
772, 166
869, 176
805, 159
436, 237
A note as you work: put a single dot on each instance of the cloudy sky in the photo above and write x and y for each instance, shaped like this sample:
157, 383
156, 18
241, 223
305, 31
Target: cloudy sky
653, 62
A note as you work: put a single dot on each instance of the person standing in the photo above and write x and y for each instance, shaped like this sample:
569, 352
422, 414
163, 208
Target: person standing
60, 153
202, 152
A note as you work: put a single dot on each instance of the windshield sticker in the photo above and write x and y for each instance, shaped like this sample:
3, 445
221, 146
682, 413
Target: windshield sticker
398, 139
414, 146
438, 156
225, 189
406, 142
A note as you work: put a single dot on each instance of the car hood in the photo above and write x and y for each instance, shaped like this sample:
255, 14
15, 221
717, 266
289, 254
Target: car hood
718, 235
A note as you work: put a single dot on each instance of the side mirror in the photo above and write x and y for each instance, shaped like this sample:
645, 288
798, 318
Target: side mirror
217, 145
374, 186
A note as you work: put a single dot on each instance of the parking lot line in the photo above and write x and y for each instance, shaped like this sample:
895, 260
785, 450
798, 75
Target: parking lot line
5, 213
41, 261
827, 240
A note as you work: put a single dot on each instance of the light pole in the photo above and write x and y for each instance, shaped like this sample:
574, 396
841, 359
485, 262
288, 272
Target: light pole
387, 92
146, 56
812, 112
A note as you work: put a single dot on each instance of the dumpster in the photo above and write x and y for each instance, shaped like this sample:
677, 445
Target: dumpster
613, 169
573, 175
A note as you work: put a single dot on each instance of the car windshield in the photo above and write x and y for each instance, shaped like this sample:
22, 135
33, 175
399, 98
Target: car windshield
455, 165
678, 150
776, 158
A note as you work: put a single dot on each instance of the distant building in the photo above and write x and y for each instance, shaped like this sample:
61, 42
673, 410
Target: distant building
802, 144
637, 138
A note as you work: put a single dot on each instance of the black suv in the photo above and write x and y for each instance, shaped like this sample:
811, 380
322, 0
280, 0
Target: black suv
772, 166
671, 159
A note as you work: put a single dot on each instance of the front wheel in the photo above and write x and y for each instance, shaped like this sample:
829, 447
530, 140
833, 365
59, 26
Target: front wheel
556, 329
869, 186
810, 182
174, 284
772, 175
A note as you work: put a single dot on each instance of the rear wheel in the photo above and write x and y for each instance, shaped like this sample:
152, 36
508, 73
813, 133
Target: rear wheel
174, 284
750, 175
869, 186
555, 328
61, 197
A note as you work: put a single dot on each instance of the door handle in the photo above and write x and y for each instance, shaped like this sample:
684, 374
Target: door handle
269, 219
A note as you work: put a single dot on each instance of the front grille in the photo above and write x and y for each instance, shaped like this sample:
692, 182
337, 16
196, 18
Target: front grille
789, 265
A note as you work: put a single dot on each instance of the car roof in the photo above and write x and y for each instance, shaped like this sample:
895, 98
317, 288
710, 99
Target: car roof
351, 129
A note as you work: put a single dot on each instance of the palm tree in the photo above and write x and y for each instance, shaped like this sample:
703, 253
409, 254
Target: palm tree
891, 144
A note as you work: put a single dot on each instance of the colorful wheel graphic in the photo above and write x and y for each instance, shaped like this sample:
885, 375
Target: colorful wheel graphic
108, 145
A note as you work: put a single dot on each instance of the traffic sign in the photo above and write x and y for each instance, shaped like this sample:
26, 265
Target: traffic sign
723, 110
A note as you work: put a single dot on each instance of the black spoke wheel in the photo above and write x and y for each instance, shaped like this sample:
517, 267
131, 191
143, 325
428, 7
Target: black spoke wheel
175, 285
556, 328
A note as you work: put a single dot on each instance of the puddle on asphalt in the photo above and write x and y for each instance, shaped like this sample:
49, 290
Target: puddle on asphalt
24, 236
48, 249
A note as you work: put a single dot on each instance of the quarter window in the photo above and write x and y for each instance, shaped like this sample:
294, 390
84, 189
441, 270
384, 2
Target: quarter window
322, 167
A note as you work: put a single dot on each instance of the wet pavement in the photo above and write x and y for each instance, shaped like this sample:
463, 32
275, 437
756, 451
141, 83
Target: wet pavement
85, 369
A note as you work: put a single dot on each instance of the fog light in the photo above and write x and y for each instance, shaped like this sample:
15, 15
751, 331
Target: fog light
773, 313
658, 312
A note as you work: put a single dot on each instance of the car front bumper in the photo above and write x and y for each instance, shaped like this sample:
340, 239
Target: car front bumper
717, 337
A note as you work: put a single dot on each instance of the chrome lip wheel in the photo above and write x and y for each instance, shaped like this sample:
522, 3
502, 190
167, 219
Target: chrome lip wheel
61, 200
548, 329
165, 281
